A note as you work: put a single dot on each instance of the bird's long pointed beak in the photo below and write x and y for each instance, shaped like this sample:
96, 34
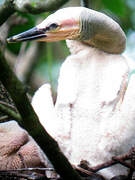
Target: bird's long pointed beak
48, 31
31, 34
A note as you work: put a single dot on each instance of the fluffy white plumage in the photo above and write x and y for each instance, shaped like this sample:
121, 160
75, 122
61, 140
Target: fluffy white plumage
93, 123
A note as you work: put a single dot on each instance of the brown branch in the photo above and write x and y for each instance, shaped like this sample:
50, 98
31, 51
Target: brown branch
122, 162
102, 166
110, 163
31, 122
85, 173
85, 169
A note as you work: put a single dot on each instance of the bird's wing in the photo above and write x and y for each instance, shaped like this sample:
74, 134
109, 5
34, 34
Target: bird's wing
42, 103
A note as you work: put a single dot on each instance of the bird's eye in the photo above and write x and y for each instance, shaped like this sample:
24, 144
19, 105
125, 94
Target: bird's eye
53, 26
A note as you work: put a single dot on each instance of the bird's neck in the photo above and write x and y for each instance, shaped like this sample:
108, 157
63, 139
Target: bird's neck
76, 46
100, 31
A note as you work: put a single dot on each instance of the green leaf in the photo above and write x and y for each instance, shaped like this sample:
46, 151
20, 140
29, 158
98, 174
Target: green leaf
116, 6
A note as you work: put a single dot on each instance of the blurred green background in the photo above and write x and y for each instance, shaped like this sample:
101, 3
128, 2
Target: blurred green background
37, 63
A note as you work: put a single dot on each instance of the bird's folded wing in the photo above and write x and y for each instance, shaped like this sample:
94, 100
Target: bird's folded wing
42, 103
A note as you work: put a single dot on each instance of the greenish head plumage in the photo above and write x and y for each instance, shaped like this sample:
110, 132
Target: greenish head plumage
100, 31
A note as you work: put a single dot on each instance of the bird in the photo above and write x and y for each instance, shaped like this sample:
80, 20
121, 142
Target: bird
93, 117
18, 149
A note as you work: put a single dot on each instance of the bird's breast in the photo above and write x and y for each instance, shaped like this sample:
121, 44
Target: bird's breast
88, 93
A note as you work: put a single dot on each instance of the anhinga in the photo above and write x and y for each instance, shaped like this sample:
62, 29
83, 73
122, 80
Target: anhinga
93, 118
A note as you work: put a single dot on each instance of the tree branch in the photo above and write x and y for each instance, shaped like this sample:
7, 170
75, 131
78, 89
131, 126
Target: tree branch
7, 174
28, 6
37, 7
84, 3
31, 122
9, 112
4, 118
115, 160
6, 10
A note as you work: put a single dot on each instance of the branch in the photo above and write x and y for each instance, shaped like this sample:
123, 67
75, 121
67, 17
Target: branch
8, 105
84, 3
7, 174
109, 163
4, 118
29, 169
6, 10
31, 123
85, 169
9, 112
37, 7
28, 6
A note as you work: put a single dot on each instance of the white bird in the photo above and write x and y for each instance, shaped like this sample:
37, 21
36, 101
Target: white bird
93, 118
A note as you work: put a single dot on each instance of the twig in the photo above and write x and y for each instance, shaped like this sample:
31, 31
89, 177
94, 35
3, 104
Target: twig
121, 161
84, 3
6, 175
130, 174
109, 163
85, 173
39, 7
85, 169
8, 105
3, 118
31, 122
16, 173
6, 10
11, 6
10, 112
30, 169
89, 171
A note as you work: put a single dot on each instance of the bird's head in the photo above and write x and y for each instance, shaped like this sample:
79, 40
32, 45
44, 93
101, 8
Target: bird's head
61, 25
78, 23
